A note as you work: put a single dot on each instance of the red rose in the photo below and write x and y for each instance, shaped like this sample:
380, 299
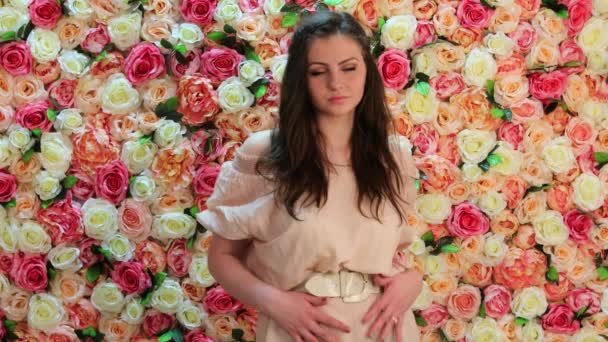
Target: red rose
144, 63
425, 33
205, 178
87, 256
63, 220
192, 66
8, 186
6, 262
548, 86
472, 14
131, 277
560, 320
179, 258
16, 58
62, 91
217, 64
512, 133
198, 11
578, 224
467, 220
33, 115
29, 272
583, 297
435, 316
218, 301
45, 13
497, 301
394, 67
96, 39
579, 11
447, 84
197, 100
156, 322
197, 336
112, 182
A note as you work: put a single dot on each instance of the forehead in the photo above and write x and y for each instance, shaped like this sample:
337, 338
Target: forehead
333, 49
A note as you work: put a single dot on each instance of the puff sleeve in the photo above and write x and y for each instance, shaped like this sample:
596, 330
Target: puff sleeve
235, 209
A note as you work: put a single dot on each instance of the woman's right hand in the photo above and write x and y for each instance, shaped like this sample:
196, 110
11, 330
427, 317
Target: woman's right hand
299, 314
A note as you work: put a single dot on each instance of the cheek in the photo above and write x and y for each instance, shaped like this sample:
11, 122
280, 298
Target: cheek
316, 89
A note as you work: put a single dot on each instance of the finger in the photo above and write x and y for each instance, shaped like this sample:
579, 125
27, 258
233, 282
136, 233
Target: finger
323, 334
374, 310
398, 330
389, 324
296, 337
328, 320
308, 337
316, 301
380, 280
379, 323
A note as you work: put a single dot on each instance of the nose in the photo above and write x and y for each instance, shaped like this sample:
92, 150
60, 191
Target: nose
335, 81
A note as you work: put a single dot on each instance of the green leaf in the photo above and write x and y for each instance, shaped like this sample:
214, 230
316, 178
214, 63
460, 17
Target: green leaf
251, 55
166, 337
450, 248
145, 139
237, 334
562, 13
539, 188
46, 203
10, 204
93, 272
290, 19
428, 238
10, 325
158, 279
54, 102
216, 36
332, 2
582, 311
190, 242
50, 271
229, 29
181, 49
497, 112
422, 77
420, 321
606, 324
70, 181
423, 87
484, 165
601, 157
381, 22
145, 299
172, 103
37, 132
602, 273
291, 7
260, 91
102, 55
494, 159
508, 114
144, 2
519, 321
552, 275
51, 114
417, 184
485, 3
98, 250
482, 310
193, 211
573, 64
171, 335
166, 44
10, 35
490, 88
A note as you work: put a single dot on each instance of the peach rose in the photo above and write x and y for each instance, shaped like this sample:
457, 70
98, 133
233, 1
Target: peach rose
475, 109
526, 110
447, 120
558, 119
458, 192
525, 237
71, 32
440, 172
116, 329
447, 84
445, 20
467, 37
192, 290
497, 301
93, 148
367, 13
441, 286
463, 303
87, 95
525, 37
514, 65
197, 99
521, 268
28, 89
529, 8
559, 198
581, 133
531, 207
478, 275
505, 19
152, 255
435, 316
504, 223
134, 220
113, 63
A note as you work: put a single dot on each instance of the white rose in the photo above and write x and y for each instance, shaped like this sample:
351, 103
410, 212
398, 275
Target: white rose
33, 238
119, 96
124, 30
471, 172
99, 218
143, 188
20, 4
604, 303
494, 249
273, 7
424, 61
597, 62
479, 67
69, 121
510, 159
250, 71
168, 297
420, 107
277, 67
133, 312
492, 203
596, 111
347, 6
46, 185
588, 334
20, 138
599, 7
173, 225
79, 8
6, 152
199, 270
8, 236
107, 298
12, 18
72, 62
417, 247
119, 246
189, 34
138, 156
532, 331
588, 191
434, 265
499, 44
593, 35
486, 330
233, 95
424, 299
4, 285
65, 258
190, 315
398, 32
55, 153
44, 45
45, 312
529, 302
474, 145
550, 228
169, 133
433, 207
558, 155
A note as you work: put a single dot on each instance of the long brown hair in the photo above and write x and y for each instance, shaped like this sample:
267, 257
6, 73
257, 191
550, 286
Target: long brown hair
296, 161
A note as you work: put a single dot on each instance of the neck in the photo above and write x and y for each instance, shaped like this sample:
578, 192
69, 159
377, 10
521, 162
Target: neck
336, 133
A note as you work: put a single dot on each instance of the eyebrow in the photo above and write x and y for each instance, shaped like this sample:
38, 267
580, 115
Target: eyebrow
344, 61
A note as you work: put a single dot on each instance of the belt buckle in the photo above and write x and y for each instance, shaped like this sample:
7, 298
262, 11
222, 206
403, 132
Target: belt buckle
351, 283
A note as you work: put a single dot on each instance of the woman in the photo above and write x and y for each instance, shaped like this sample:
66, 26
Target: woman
307, 217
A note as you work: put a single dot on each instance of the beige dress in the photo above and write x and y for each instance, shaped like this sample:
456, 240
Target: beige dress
284, 251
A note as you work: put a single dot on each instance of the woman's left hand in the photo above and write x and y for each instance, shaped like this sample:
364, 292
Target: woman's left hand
400, 292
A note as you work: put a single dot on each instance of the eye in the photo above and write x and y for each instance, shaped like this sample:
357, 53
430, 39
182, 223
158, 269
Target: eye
349, 69
316, 73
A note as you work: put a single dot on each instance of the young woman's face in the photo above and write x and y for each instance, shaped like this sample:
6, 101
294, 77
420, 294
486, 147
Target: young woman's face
336, 75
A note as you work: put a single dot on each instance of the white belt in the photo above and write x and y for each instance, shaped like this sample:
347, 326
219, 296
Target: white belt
351, 286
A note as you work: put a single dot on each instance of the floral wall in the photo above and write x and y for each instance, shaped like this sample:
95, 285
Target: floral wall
115, 117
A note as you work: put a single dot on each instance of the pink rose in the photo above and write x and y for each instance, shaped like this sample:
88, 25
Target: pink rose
250, 6
578, 224
6, 262
569, 51
179, 258
45, 13
131, 277
559, 291
512, 133
197, 100
194, 64
217, 64
218, 301
87, 256
33, 115
112, 182
134, 219
435, 316
560, 320
63, 220
583, 297
447, 84
273, 90
16, 58
394, 67
207, 144
29, 272
144, 63
96, 39
156, 322
84, 188
579, 11
526, 110
197, 336
425, 138
62, 91
8, 186
497, 301
82, 314
548, 86
425, 33
467, 220
582, 133
586, 161
463, 303
205, 178
472, 14
521, 268
198, 11
525, 36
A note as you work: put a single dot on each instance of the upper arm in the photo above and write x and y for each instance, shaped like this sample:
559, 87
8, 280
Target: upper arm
257, 144
220, 245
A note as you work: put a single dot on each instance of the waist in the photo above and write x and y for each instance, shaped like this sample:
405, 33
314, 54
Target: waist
350, 286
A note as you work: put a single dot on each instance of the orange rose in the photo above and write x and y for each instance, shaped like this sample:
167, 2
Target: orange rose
468, 38
478, 275
581, 133
367, 13
558, 119
27, 202
559, 291
193, 291
448, 119
458, 192
197, 99
25, 172
403, 124
525, 238
531, 207
569, 176
602, 141
424, 9
514, 189
219, 327
229, 123
113, 63
82, 314
559, 198
267, 49
93, 148
174, 167
521, 268
230, 148
504, 223
440, 173
172, 200
487, 182
71, 32
152, 255
116, 329
475, 108
514, 65
529, 8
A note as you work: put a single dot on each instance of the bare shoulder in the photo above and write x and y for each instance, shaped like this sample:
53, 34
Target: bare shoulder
257, 144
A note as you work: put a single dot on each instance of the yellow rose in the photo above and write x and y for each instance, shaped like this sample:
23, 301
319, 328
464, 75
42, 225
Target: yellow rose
398, 32
588, 192
479, 67
422, 108
433, 207
593, 36
529, 302
550, 228
474, 145
558, 155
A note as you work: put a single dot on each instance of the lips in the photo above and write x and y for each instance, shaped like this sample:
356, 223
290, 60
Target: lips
337, 98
